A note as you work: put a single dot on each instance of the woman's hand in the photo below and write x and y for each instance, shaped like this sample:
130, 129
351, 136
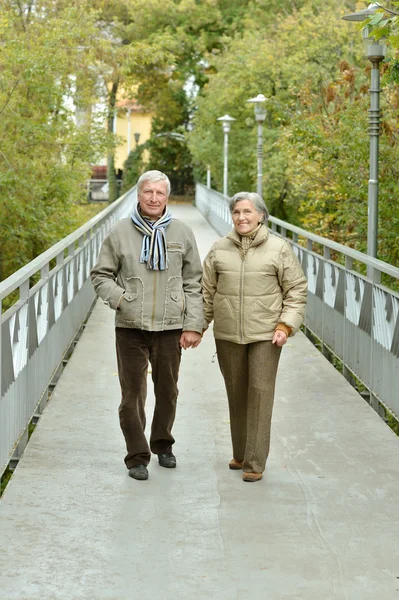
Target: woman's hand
190, 339
279, 337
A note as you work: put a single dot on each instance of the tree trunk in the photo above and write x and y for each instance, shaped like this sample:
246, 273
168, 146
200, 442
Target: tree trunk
111, 174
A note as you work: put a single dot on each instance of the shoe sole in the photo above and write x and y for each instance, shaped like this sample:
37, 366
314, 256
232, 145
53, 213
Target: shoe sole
167, 466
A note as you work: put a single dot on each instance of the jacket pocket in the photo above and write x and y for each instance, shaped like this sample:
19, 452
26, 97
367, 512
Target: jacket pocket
175, 256
175, 247
131, 307
225, 320
259, 318
174, 300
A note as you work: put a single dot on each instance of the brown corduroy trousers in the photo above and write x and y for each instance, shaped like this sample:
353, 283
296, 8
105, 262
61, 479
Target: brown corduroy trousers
135, 349
249, 372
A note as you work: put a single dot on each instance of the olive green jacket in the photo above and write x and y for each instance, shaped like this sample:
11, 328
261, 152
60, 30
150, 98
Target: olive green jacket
144, 298
248, 296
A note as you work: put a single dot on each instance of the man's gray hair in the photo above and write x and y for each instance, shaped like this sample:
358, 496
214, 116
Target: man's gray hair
153, 177
257, 201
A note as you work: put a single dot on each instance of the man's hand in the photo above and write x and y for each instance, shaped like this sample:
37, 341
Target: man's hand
279, 338
189, 339
118, 306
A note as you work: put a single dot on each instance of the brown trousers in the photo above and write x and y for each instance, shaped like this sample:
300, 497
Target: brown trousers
249, 372
135, 349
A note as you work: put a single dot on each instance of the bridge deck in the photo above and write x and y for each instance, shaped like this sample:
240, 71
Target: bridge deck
321, 525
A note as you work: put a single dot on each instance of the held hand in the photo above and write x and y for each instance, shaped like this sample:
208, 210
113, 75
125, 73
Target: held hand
190, 339
279, 337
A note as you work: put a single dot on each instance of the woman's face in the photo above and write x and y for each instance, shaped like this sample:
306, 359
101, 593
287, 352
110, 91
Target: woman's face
245, 216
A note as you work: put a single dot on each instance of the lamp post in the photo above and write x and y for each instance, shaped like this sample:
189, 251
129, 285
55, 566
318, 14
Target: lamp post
375, 52
226, 121
260, 116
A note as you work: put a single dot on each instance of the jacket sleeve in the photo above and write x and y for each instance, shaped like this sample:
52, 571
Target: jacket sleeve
209, 286
103, 274
294, 287
192, 274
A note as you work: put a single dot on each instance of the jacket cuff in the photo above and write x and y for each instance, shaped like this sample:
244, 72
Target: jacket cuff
114, 297
283, 327
194, 328
193, 325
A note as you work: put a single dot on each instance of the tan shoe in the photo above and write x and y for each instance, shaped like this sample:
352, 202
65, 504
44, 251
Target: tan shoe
235, 465
252, 476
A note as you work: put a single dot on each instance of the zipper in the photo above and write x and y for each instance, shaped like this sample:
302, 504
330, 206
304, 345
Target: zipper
242, 300
154, 300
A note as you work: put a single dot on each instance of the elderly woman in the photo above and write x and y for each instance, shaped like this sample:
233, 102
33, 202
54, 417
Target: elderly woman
255, 292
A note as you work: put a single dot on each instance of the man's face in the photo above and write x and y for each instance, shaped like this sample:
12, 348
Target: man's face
153, 197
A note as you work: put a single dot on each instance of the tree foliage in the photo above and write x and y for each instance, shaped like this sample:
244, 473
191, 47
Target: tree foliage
384, 23
58, 59
190, 31
309, 64
191, 62
45, 156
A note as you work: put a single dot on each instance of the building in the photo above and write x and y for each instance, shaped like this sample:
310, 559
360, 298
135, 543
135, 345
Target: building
133, 124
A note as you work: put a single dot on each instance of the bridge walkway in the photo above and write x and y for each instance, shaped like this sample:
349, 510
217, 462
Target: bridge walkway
321, 525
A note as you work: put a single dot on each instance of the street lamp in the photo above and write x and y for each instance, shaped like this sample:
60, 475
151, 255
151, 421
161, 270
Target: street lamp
260, 116
375, 52
226, 121
137, 137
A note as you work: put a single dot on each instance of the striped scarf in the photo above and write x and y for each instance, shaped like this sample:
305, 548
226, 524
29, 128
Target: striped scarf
153, 249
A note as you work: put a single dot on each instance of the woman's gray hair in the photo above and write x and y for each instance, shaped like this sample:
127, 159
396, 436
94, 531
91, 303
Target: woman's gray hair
153, 177
257, 201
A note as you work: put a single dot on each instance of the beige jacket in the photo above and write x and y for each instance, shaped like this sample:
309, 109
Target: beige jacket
147, 299
249, 296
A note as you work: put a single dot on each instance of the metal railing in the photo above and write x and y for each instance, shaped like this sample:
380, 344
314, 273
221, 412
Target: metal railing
98, 189
354, 316
41, 325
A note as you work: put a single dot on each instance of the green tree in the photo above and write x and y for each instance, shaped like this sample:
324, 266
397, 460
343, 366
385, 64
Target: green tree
45, 154
276, 55
329, 159
133, 168
189, 31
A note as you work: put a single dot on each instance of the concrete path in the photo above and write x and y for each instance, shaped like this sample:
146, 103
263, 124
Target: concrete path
321, 525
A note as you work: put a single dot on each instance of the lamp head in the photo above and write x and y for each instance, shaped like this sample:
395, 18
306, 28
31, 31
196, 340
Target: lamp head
375, 50
260, 109
362, 15
226, 121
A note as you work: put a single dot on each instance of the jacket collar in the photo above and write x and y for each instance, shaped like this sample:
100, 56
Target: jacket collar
260, 237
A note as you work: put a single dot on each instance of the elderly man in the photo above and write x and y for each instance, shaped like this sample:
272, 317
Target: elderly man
149, 272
